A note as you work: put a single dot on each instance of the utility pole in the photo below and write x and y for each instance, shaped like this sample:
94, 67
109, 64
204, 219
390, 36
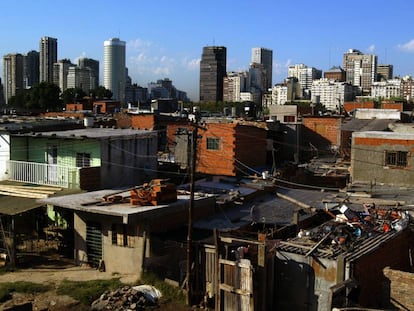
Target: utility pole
194, 134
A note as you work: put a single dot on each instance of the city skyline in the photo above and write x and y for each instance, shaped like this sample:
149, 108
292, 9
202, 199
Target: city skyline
166, 40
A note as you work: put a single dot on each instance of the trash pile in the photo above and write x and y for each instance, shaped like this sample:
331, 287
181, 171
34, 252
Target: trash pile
348, 227
128, 298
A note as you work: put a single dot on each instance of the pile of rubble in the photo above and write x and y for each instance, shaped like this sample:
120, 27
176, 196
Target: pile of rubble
128, 298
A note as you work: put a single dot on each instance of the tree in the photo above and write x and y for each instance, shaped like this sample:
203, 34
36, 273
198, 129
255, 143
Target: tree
72, 95
45, 97
101, 93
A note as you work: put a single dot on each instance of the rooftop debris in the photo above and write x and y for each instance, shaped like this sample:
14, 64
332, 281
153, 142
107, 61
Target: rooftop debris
347, 230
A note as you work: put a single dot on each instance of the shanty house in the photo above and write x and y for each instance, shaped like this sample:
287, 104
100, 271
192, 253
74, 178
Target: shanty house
382, 157
89, 158
121, 235
231, 148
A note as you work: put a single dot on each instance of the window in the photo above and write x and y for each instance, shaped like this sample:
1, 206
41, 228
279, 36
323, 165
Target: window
213, 143
83, 159
119, 236
288, 119
396, 158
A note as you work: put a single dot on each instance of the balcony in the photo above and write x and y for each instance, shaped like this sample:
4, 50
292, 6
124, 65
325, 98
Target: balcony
43, 174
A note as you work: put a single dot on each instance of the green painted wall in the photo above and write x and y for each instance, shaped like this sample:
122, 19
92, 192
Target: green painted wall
34, 149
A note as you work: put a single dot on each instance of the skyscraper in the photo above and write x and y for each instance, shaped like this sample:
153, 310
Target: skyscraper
114, 74
47, 57
93, 65
212, 71
31, 69
264, 57
12, 75
361, 69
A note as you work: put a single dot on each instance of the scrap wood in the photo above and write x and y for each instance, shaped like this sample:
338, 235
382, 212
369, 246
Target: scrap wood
305, 247
26, 189
24, 195
317, 244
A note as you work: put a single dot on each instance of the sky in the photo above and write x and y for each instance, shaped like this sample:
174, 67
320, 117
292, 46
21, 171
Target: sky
165, 39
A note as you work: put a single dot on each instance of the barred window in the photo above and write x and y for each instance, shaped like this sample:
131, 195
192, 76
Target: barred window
83, 159
121, 235
396, 158
213, 143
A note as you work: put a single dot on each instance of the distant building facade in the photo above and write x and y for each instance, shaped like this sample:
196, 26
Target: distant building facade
114, 68
60, 73
48, 48
12, 75
361, 69
31, 69
332, 94
305, 76
234, 84
264, 57
387, 89
212, 72
336, 73
385, 72
93, 64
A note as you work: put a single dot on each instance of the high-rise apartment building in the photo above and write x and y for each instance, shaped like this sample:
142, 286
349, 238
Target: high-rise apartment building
361, 69
332, 94
82, 78
235, 83
12, 75
264, 57
212, 71
93, 64
31, 69
305, 75
47, 57
60, 73
114, 74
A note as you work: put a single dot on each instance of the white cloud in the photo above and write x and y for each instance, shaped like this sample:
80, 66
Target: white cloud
407, 47
138, 44
191, 64
371, 48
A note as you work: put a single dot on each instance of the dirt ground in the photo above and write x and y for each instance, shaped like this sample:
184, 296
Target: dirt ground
54, 274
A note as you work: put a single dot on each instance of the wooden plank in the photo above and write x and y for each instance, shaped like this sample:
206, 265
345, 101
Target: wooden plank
26, 190
25, 195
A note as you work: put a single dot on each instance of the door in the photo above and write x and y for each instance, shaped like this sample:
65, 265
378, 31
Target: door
52, 171
94, 243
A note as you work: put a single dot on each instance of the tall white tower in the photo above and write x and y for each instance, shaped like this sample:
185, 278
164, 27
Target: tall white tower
114, 74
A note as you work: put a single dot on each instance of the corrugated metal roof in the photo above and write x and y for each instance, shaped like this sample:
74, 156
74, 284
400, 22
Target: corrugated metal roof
91, 133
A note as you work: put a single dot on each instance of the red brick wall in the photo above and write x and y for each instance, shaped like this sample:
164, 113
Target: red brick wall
217, 162
323, 130
370, 141
349, 106
401, 288
143, 121
247, 144
398, 106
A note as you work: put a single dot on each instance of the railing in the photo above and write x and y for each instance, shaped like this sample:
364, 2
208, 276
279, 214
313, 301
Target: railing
43, 174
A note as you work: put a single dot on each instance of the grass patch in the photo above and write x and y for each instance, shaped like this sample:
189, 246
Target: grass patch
87, 291
169, 292
6, 289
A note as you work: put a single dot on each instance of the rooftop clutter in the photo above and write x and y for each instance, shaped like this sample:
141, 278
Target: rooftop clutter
348, 229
